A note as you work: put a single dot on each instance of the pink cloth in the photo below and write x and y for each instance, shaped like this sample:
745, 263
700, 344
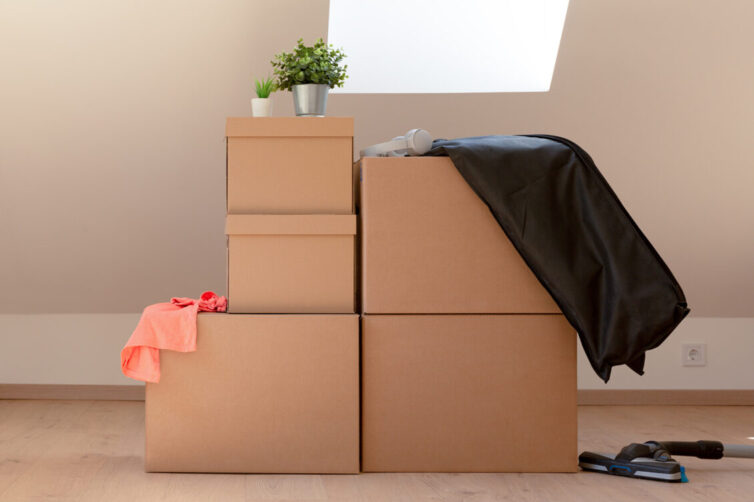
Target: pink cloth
170, 326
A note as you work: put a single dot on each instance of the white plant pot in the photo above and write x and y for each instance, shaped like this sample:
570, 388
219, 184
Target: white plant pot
261, 107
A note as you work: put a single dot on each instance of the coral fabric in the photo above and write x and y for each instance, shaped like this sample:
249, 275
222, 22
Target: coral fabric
169, 326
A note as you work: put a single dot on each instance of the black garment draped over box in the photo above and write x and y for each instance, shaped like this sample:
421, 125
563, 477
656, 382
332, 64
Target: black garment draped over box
578, 239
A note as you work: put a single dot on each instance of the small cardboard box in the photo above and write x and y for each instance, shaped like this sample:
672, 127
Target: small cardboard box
430, 245
290, 165
291, 263
468, 393
262, 393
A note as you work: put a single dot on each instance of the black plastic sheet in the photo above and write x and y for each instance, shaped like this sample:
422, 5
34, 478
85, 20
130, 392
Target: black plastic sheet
578, 239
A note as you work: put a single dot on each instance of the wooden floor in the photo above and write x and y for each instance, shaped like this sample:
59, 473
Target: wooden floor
92, 451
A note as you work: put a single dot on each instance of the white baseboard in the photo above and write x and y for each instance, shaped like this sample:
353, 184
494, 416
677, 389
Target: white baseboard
659, 397
76, 392
585, 397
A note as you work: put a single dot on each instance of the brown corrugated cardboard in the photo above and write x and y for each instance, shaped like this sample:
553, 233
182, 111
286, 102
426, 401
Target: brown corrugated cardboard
291, 263
430, 245
289, 127
290, 165
304, 224
262, 393
468, 393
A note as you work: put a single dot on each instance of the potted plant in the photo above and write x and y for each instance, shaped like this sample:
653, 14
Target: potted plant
261, 106
310, 72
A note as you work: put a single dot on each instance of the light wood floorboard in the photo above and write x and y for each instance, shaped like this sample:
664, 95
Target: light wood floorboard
92, 451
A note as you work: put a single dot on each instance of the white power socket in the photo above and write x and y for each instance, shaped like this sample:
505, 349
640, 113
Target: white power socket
694, 354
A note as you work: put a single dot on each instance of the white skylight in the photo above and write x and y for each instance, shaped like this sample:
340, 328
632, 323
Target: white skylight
447, 46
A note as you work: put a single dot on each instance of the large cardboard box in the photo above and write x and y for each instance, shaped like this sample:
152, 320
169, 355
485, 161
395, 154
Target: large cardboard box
468, 393
290, 165
262, 393
291, 263
430, 245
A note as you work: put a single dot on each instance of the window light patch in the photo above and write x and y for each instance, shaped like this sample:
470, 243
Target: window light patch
447, 46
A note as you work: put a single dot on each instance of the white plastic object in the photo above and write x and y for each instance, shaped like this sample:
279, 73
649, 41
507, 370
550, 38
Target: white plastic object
414, 142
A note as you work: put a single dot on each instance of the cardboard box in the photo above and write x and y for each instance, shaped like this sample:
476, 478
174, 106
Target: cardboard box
468, 393
290, 165
262, 393
430, 245
291, 263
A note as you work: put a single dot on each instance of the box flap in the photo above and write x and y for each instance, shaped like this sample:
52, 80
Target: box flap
290, 224
287, 127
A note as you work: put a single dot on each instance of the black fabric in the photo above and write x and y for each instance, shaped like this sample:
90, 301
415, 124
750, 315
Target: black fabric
578, 239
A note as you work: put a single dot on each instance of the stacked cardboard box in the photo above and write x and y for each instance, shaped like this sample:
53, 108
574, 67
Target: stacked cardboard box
274, 384
467, 363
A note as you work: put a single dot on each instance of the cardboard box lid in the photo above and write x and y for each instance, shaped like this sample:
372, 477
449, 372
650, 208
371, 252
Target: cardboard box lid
290, 224
287, 127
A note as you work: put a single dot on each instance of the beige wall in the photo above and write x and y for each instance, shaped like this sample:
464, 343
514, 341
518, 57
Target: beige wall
84, 349
112, 153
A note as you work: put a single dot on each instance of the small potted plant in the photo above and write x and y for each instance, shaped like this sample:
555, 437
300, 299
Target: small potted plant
261, 106
310, 72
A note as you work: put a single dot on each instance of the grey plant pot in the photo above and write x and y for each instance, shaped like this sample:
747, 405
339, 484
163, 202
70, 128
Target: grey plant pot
310, 100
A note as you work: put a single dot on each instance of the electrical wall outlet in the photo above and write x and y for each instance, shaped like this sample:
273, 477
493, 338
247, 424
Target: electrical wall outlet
694, 354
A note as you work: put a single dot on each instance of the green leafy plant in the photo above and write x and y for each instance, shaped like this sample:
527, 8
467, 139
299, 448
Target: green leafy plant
265, 87
316, 64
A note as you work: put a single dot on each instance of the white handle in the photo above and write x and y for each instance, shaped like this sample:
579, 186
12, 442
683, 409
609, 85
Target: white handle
738, 450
